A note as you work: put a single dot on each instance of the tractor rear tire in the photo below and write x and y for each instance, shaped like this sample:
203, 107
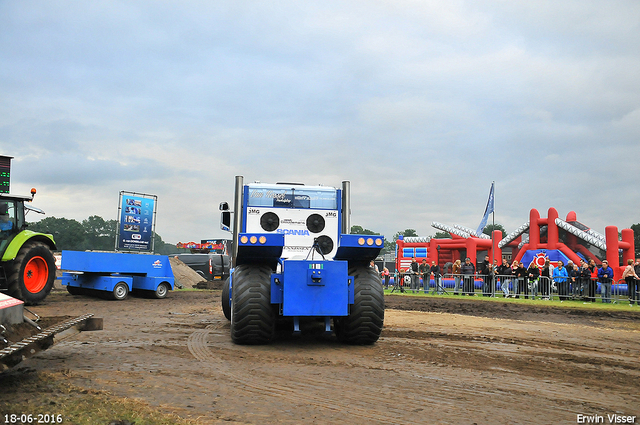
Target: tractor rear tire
32, 272
226, 305
364, 324
252, 315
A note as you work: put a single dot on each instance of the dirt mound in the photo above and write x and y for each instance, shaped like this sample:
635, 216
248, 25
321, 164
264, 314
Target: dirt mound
184, 275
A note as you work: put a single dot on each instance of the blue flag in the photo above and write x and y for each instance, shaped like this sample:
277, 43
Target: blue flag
487, 211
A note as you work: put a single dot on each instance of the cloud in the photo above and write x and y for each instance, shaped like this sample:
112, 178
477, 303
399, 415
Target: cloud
421, 105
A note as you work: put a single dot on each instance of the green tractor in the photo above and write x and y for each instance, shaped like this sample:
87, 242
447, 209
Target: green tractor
27, 265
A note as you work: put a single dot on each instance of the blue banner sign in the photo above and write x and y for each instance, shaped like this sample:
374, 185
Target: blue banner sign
136, 223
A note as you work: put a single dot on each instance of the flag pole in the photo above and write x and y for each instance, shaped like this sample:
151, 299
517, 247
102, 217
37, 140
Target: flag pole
493, 241
493, 220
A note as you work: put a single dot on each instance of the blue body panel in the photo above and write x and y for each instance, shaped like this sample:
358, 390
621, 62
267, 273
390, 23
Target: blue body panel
313, 288
103, 270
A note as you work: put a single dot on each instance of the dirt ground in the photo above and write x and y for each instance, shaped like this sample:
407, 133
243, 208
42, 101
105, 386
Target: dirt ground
448, 361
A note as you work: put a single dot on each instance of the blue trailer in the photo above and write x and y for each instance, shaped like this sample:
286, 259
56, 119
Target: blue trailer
116, 274
293, 259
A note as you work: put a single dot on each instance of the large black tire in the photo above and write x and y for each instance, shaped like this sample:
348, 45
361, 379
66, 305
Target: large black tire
364, 324
31, 273
226, 306
252, 316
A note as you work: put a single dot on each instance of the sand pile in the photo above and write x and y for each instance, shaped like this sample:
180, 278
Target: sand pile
184, 275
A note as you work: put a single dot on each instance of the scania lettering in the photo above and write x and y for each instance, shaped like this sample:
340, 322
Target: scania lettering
293, 232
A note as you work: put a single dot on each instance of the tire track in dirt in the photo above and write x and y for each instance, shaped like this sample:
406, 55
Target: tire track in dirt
612, 358
293, 390
360, 402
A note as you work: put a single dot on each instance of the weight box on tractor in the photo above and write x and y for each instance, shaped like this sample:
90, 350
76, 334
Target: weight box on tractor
294, 259
27, 265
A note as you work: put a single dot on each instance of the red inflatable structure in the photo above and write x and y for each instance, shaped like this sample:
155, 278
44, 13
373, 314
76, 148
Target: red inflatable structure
537, 240
443, 251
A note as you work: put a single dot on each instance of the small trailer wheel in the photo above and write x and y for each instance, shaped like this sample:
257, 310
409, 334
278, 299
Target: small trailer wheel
161, 291
120, 291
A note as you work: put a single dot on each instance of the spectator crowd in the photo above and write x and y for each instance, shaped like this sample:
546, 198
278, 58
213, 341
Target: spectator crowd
570, 281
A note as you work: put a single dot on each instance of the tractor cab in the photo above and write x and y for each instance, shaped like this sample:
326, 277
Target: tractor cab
11, 217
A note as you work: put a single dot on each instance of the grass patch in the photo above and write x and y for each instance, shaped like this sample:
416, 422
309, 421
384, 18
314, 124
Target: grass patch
622, 305
39, 393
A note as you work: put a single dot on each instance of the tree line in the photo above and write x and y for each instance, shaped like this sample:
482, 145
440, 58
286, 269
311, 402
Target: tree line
94, 233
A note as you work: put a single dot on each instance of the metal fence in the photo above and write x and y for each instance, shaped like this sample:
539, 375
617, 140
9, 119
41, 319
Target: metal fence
510, 286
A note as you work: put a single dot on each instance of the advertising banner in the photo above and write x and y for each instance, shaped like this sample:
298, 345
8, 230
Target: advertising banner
136, 222
218, 246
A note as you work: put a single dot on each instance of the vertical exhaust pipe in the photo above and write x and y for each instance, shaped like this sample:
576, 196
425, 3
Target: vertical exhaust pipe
346, 207
237, 217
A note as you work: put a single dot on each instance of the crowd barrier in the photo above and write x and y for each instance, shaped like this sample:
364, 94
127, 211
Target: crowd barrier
589, 290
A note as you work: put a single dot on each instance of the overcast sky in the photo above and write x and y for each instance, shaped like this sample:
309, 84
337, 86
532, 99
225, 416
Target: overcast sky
420, 104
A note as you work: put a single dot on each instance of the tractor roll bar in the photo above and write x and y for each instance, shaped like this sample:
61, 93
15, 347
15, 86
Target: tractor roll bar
346, 207
237, 217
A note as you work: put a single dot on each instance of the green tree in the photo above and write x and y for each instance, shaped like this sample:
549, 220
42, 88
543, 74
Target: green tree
491, 227
359, 230
442, 235
100, 234
163, 248
405, 233
69, 234
390, 246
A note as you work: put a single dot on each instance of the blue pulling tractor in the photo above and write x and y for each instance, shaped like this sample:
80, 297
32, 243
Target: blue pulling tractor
293, 259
